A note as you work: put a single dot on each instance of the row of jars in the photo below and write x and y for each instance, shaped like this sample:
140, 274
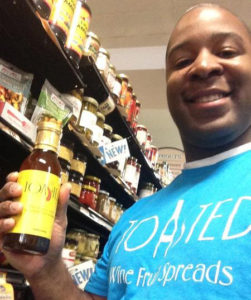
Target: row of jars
80, 246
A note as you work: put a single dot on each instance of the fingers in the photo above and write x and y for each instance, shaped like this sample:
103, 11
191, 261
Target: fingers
6, 224
12, 177
10, 190
63, 201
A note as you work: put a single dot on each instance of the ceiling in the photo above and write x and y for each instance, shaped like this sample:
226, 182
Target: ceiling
136, 33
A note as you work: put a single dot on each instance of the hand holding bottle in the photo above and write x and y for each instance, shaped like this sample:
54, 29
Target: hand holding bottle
28, 264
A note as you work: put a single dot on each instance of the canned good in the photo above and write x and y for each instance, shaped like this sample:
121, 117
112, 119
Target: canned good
91, 45
103, 62
88, 196
88, 117
61, 17
98, 130
103, 203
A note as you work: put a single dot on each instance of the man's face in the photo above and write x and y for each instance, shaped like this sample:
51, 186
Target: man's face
209, 77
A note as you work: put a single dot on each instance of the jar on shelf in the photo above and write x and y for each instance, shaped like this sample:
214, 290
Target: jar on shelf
103, 203
128, 98
65, 170
43, 7
60, 18
107, 135
91, 45
92, 245
136, 179
78, 163
148, 141
79, 235
103, 62
112, 210
152, 155
147, 190
78, 30
131, 109
88, 196
94, 182
69, 252
88, 117
75, 99
76, 181
130, 170
137, 110
65, 149
116, 91
111, 77
124, 84
141, 134
98, 130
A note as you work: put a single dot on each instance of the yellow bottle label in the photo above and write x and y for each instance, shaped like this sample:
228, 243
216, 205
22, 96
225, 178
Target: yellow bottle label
62, 13
6, 289
79, 28
39, 199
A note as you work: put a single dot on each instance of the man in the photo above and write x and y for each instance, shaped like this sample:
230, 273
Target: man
190, 240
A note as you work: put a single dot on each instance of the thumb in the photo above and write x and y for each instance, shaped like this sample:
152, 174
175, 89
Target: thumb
63, 202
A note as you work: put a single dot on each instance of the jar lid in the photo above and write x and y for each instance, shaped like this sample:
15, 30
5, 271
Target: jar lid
93, 35
134, 95
100, 116
92, 235
104, 192
93, 178
112, 67
112, 199
138, 102
91, 100
78, 93
123, 77
89, 188
129, 87
104, 51
116, 137
141, 126
108, 127
75, 175
77, 230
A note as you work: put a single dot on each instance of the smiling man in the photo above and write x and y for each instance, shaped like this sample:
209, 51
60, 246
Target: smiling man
190, 240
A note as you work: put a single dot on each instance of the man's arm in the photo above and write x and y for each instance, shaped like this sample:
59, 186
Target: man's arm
48, 276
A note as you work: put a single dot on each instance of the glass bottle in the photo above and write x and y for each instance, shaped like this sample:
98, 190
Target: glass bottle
40, 180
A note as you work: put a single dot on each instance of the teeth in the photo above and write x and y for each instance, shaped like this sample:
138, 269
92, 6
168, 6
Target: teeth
209, 98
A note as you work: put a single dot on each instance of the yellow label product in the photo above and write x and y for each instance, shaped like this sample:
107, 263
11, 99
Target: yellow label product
6, 289
79, 27
62, 13
39, 199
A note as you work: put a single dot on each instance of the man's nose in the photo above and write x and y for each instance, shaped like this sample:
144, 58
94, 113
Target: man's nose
205, 65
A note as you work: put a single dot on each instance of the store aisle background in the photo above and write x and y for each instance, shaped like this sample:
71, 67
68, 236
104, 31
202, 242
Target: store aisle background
135, 32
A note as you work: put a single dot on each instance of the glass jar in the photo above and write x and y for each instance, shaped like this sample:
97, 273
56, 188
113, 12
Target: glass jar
88, 117
148, 141
79, 236
91, 45
65, 170
147, 190
124, 84
76, 181
107, 136
131, 109
130, 170
60, 18
117, 88
69, 252
75, 99
103, 203
94, 182
137, 110
92, 245
136, 179
111, 77
65, 149
128, 99
107, 106
141, 134
78, 163
98, 130
103, 62
88, 196
77, 33
112, 210
152, 154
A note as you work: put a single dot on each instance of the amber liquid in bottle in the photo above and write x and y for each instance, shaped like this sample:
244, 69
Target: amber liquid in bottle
42, 158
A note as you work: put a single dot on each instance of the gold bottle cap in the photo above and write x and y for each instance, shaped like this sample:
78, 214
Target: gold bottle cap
91, 100
123, 77
93, 35
108, 127
100, 116
48, 135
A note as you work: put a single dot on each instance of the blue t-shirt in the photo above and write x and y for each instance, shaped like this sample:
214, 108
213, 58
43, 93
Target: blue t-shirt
190, 240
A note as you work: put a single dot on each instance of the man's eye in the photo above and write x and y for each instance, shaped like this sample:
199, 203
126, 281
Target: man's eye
227, 53
182, 63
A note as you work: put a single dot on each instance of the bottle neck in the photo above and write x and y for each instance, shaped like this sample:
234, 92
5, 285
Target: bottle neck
47, 140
